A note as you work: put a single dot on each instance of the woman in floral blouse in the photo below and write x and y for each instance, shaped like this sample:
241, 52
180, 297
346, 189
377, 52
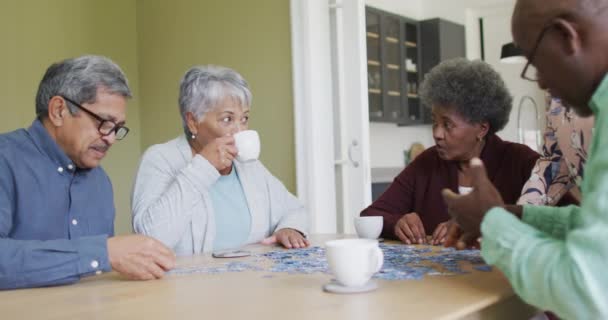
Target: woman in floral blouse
561, 167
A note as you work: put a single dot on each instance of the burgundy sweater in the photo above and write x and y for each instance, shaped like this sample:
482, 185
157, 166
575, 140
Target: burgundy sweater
418, 187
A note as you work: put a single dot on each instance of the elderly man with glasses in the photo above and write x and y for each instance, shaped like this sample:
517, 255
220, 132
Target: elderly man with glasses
553, 257
56, 203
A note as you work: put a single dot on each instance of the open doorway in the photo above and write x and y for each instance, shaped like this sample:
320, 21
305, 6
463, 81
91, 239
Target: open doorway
336, 147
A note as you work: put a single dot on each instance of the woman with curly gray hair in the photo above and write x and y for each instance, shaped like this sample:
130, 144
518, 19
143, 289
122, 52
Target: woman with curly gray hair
469, 103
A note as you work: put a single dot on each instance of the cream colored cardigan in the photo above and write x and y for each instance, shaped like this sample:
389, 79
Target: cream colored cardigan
171, 201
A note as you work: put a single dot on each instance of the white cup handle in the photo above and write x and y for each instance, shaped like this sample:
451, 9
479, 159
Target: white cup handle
377, 260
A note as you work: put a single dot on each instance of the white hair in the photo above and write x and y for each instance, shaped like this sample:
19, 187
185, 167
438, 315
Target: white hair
203, 87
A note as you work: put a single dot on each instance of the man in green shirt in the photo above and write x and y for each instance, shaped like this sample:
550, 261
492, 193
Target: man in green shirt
553, 257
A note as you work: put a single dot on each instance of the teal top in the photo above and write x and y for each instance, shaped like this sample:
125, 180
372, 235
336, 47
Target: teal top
232, 216
555, 257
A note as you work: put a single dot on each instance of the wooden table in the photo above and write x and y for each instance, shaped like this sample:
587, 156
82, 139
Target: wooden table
249, 295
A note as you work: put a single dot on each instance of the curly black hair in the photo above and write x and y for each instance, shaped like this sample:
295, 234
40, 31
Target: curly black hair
473, 88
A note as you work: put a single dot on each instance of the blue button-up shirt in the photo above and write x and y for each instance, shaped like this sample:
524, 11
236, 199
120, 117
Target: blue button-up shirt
54, 218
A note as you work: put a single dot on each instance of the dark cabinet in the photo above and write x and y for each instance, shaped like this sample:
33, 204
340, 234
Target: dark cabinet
393, 64
374, 67
442, 40
399, 52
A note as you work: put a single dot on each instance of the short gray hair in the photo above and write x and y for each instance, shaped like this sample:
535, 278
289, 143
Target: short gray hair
203, 87
78, 79
473, 88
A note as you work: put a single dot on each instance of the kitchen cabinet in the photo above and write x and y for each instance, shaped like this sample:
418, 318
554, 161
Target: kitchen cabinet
393, 63
400, 51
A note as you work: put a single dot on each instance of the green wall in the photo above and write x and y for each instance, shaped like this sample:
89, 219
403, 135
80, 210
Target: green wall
252, 37
154, 42
35, 34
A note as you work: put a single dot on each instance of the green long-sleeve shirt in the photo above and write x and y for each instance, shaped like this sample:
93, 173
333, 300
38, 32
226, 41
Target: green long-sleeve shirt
556, 258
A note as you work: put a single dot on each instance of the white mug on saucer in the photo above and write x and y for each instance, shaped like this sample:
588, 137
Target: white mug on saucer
248, 145
369, 227
354, 261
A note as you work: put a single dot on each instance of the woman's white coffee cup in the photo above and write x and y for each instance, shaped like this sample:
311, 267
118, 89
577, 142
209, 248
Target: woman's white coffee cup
369, 227
353, 261
248, 145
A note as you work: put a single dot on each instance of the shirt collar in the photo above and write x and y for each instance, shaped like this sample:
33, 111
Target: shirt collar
600, 96
47, 145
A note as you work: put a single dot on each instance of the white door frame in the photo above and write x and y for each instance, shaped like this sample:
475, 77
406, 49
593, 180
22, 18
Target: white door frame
328, 147
312, 86
351, 111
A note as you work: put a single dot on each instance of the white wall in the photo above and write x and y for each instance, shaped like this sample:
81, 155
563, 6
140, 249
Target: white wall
387, 141
455, 10
497, 31
408, 8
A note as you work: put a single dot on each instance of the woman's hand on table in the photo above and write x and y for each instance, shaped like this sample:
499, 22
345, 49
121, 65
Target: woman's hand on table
288, 238
441, 232
410, 230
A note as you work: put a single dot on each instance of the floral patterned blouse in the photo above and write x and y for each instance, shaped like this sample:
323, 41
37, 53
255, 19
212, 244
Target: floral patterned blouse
560, 168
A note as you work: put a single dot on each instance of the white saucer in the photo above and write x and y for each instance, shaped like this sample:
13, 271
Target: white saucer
335, 287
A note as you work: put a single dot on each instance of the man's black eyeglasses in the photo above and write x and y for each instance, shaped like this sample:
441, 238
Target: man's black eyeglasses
524, 72
106, 127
